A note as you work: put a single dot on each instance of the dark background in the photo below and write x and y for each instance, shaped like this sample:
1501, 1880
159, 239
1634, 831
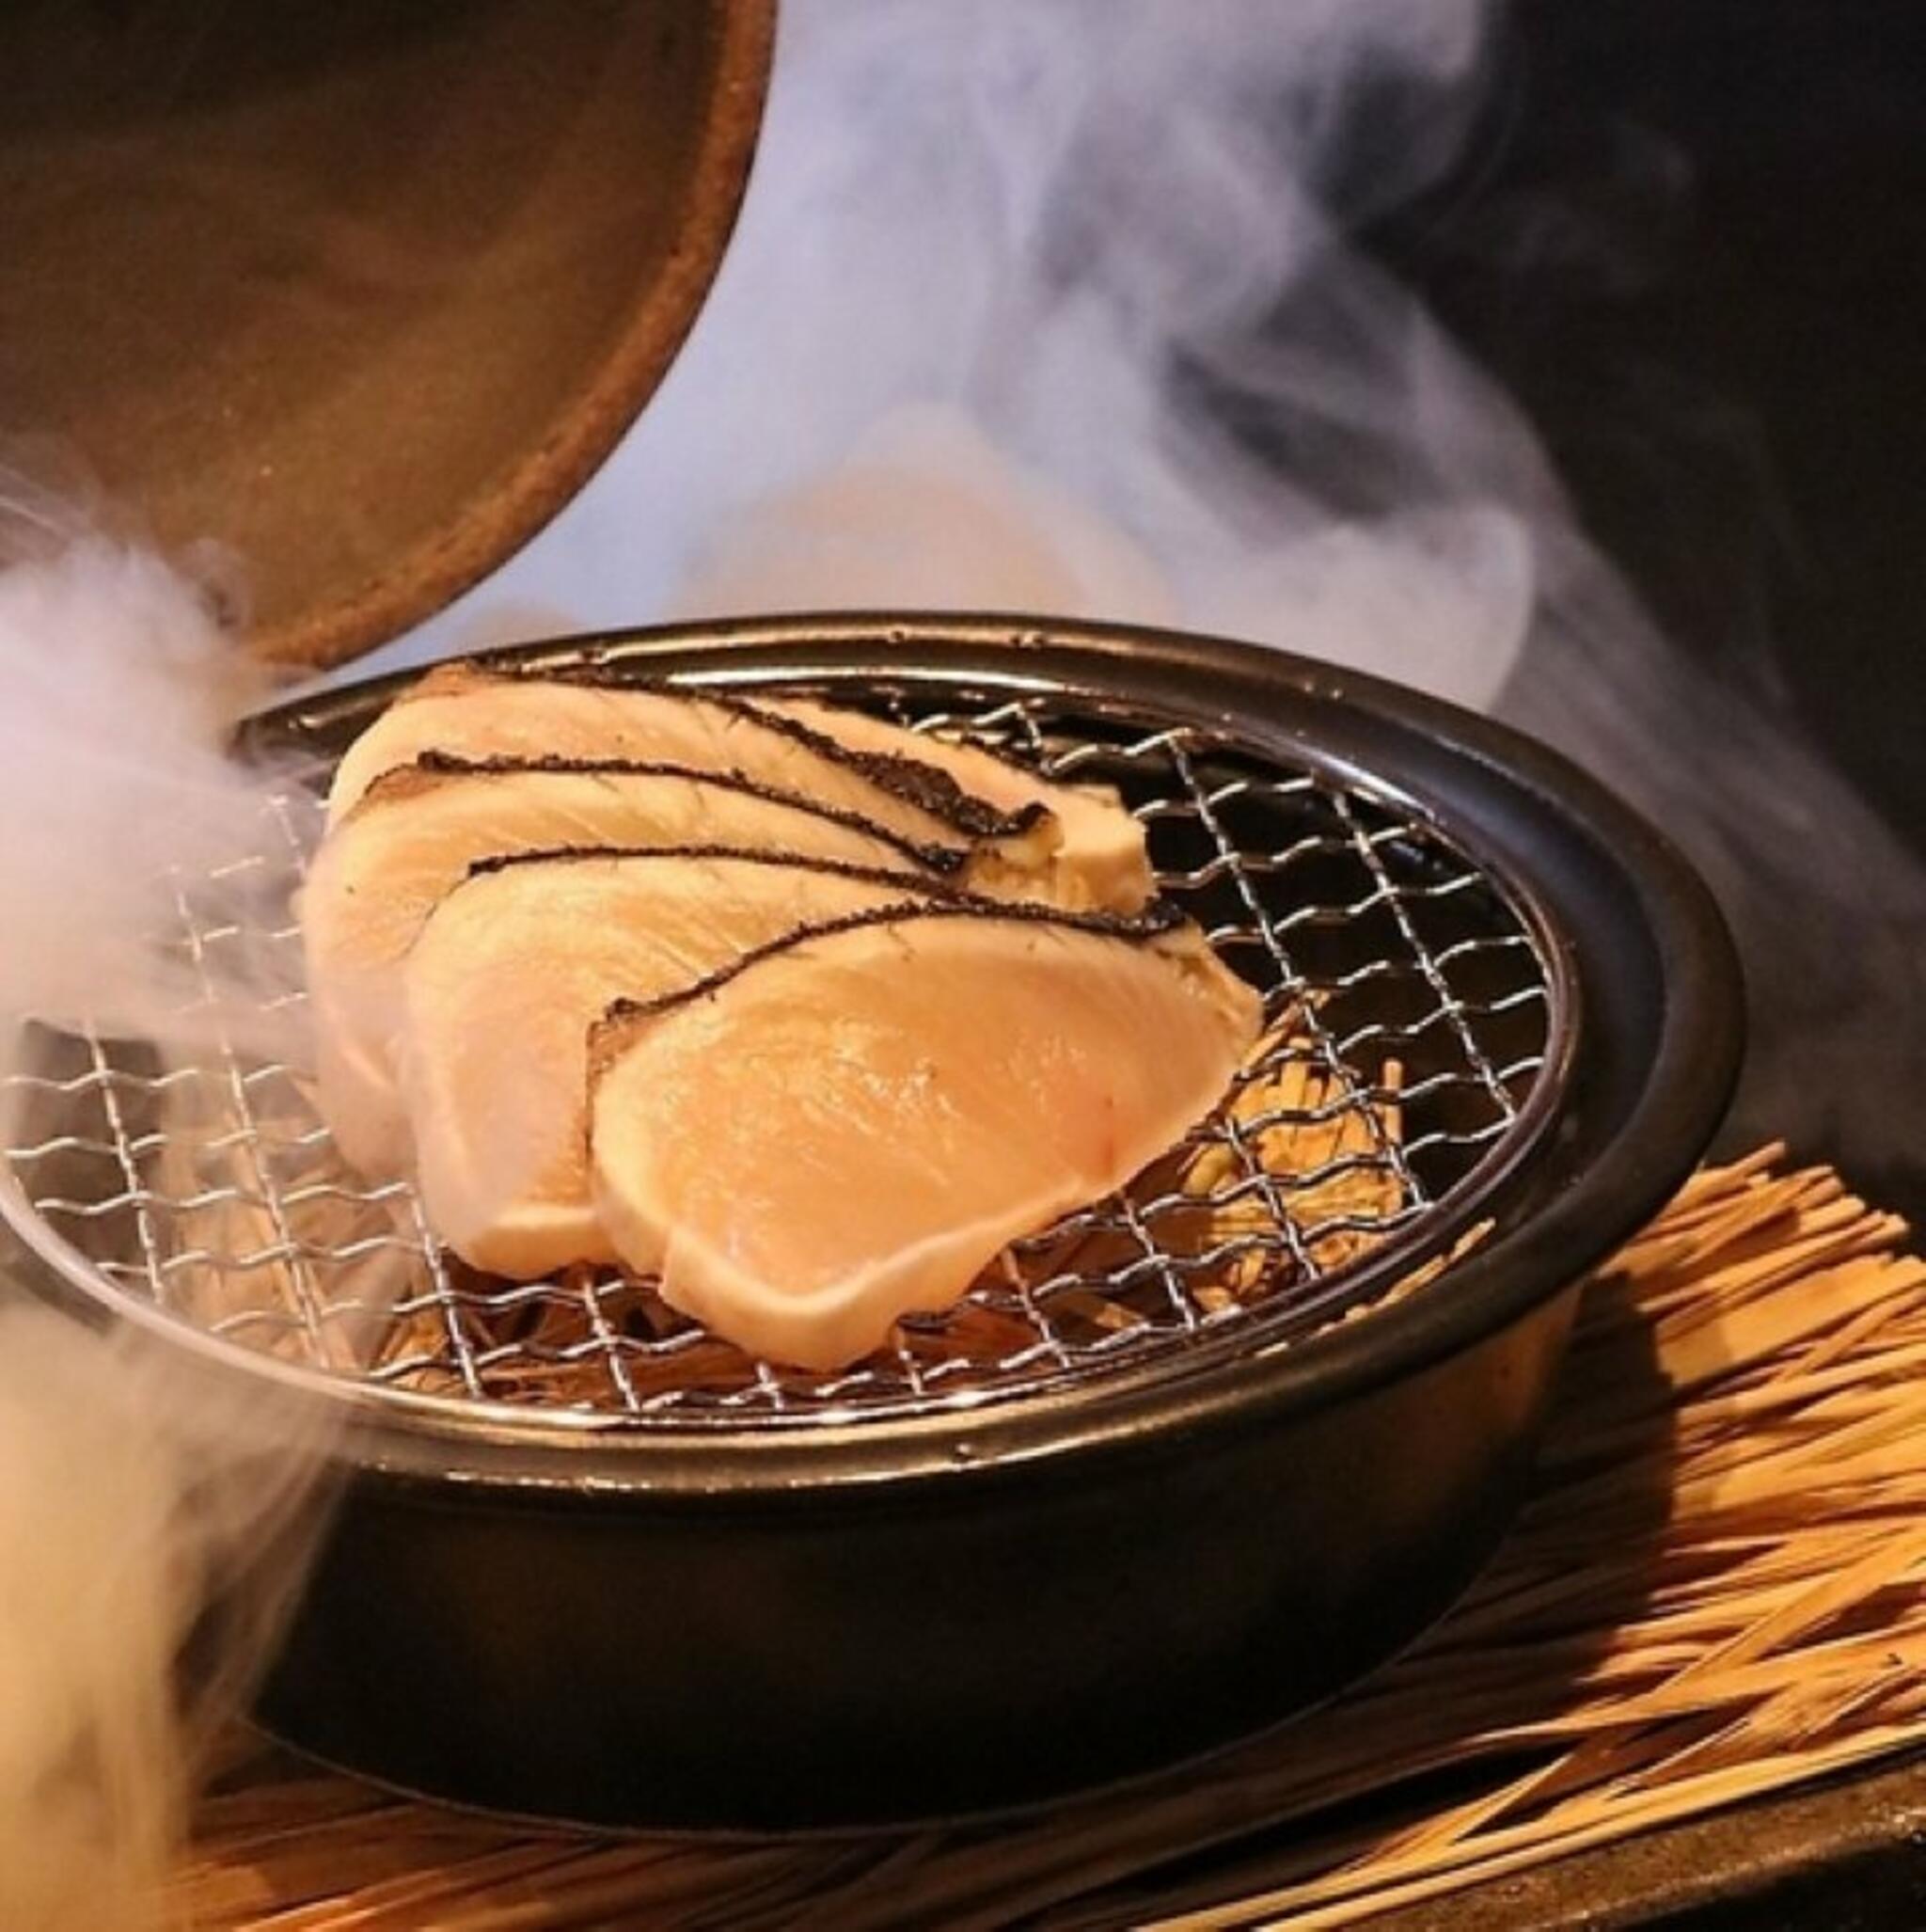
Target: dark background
1690, 236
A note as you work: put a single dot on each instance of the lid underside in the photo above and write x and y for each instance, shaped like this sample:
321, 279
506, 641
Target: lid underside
362, 291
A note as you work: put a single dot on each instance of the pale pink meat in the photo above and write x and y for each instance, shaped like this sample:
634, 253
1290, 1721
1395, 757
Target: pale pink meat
508, 976
851, 1127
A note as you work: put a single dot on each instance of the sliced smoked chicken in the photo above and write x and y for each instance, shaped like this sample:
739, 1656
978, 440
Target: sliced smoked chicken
466, 711
509, 974
1103, 860
413, 836
847, 1127
924, 790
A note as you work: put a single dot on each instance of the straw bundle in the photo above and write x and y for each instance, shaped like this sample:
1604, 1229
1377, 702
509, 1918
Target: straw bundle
1718, 1591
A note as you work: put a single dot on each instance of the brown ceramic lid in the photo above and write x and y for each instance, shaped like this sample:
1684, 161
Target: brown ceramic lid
363, 288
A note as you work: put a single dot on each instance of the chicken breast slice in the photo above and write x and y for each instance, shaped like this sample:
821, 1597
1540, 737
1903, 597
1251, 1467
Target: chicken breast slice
510, 972
467, 711
412, 837
1102, 861
849, 1126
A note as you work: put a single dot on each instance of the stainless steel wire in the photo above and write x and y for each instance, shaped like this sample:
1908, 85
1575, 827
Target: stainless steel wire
1416, 1007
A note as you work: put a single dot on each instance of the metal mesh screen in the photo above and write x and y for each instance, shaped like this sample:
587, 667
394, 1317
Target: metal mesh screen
1414, 1011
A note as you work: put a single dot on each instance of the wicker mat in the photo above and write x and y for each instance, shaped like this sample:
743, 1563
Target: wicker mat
1718, 1591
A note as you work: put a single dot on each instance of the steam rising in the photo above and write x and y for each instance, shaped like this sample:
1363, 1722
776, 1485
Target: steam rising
121, 688
142, 1509
1828, 907
140, 1512
1023, 304
1052, 307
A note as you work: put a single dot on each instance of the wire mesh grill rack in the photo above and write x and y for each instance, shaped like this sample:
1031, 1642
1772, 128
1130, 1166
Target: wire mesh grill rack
1416, 1014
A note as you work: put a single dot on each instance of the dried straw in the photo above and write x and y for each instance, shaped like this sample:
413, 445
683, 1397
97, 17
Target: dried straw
1717, 1592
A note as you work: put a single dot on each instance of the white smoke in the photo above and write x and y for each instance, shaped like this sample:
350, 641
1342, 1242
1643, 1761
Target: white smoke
1827, 905
152, 1529
116, 780
991, 259
1053, 308
146, 1512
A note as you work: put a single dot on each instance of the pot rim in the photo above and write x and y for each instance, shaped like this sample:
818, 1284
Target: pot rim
1689, 1064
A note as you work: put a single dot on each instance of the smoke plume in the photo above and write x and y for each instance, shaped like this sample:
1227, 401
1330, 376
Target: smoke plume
122, 684
1021, 299
146, 1513
1059, 308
